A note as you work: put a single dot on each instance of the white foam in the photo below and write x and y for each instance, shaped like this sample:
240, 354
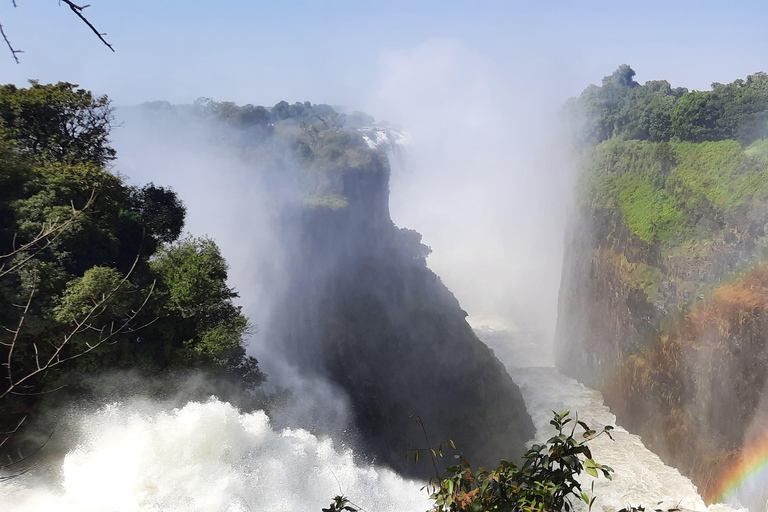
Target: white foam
206, 457
640, 478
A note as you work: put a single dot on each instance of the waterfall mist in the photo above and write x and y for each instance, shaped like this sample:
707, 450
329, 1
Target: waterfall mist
486, 177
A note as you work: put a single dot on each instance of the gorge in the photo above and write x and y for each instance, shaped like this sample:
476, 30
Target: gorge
660, 309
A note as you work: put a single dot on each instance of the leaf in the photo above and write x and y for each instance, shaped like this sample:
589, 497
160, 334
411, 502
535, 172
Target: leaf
450, 441
585, 497
591, 471
416, 456
440, 450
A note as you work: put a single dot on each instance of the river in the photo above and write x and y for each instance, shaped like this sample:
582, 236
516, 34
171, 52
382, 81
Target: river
640, 478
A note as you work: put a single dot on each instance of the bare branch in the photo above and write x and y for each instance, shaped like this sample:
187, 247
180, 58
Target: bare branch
47, 236
15, 429
22, 458
78, 10
14, 51
8, 364
80, 326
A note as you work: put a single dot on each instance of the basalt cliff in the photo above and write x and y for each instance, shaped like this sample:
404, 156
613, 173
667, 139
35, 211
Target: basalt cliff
355, 303
664, 296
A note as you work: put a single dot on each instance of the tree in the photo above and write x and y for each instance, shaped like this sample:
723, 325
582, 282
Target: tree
197, 311
57, 123
100, 292
83, 287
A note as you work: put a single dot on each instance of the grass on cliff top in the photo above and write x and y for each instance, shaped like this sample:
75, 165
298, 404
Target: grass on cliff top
663, 188
328, 201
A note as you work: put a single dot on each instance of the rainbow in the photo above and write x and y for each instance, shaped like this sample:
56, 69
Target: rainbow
749, 472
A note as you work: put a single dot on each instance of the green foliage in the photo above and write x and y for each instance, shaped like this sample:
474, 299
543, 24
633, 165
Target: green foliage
101, 287
160, 211
57, 123
330, 201
194, 274
648, 210
621, 108
198, 319
340, 504
78, 247
545, 482
323, 145
664, 189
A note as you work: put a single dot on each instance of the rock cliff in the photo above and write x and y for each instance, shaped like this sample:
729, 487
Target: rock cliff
664, 296
363, 310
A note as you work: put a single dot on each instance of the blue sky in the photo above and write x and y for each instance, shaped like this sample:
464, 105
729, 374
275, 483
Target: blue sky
261, 52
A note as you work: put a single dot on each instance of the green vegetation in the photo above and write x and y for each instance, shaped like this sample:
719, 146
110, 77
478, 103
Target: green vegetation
93, 277
330, 201
664, 189
545, 482
622, 108
675, 191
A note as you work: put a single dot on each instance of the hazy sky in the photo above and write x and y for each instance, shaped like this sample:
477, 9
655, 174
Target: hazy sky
477, 84
329, 51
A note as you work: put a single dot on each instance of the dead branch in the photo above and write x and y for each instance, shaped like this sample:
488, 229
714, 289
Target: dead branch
47, 235
78, 10
16, 384
81, 325
22, 458
14, 52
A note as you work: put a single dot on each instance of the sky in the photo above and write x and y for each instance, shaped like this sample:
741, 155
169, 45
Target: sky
261, 52
478, 85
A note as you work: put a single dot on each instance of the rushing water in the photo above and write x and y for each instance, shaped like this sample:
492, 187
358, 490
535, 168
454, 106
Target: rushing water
640, 478
204, 457
210, 457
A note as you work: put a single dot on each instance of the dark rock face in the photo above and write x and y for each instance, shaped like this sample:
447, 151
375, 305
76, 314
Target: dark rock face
364, 311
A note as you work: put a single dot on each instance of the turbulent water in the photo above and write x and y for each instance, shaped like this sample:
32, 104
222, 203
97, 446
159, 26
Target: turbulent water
204, 457
210, 457
640, 478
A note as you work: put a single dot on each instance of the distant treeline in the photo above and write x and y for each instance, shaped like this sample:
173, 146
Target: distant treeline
249, 116
621, 108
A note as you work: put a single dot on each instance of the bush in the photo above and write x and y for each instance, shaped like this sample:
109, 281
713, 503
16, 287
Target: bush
545, 482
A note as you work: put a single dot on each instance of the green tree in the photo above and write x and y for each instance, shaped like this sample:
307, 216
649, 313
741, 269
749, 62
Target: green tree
57, 123
83, 287
198, 311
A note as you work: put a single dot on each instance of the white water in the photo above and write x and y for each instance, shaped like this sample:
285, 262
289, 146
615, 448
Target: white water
640, 478
205, 457
210, 457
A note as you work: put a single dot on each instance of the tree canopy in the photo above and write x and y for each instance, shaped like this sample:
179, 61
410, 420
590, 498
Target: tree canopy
93, 274
621, 108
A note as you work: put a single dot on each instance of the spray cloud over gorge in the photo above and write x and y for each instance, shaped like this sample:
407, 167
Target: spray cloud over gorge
481, 179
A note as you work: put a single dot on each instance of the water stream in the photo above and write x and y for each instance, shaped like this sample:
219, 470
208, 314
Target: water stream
640, 478
139, 457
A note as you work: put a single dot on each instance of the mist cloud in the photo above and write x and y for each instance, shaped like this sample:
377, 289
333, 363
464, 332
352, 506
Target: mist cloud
486, 178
